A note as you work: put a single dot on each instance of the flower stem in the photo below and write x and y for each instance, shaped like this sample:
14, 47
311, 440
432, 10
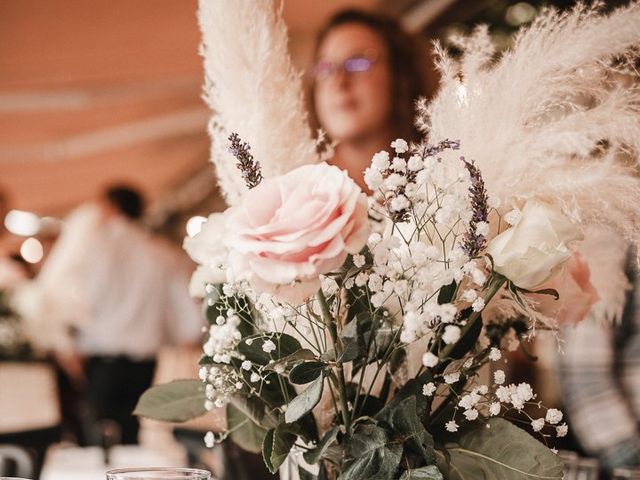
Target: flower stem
495, 284
342, 384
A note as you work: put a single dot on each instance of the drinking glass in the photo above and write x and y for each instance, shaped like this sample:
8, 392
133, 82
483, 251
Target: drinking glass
158, 473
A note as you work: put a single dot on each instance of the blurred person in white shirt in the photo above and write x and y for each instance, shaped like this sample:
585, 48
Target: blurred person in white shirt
128, 293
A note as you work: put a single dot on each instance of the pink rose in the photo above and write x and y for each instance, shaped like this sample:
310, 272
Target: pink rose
577, 294
290, 229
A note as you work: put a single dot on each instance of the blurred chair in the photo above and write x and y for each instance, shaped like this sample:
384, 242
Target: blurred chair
15, 461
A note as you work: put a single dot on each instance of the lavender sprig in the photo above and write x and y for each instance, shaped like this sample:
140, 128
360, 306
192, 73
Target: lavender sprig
249, 168
474, 242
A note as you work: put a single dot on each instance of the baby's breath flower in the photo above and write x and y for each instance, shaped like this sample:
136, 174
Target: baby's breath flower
562, 430
268, 346
400, 145
428, 389
537, 424
554, 416
478, 304
429, 360
209, 440
451, 334
471, 414
451, 378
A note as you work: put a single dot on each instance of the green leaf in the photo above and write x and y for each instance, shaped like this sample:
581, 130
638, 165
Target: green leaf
244, 432
283, 440
306, 372
371, 455
267, 450
302, 354
255, 409
177, 401
276, 446
404, 422
305, 401
501, 452
252, 347
314, 456
447, 292
423, 473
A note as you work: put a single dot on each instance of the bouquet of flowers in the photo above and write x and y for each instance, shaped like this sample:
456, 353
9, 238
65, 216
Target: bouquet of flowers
356, 337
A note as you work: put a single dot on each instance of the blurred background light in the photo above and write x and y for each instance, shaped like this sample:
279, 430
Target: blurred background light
22, 223
31, 250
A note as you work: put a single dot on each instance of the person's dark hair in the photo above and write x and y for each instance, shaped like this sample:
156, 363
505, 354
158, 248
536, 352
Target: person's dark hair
408, 62
127, 200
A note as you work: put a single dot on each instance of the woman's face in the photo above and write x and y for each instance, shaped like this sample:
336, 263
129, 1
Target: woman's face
355, 104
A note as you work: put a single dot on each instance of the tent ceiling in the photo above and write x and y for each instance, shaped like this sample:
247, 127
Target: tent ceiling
108, 90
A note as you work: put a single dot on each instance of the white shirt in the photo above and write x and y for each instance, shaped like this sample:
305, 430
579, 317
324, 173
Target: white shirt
133, 289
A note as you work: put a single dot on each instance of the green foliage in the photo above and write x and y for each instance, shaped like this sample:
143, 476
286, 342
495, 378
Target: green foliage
306, 372
244, 431
314, 455
403, 423
276, 446
423, 473
252, 347
501, 451
371, 454
305, 401
177, 401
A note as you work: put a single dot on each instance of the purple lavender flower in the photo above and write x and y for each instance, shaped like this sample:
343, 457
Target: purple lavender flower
475, 242
249, 168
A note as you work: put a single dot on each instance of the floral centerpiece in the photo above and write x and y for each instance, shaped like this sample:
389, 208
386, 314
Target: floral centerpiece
357, 337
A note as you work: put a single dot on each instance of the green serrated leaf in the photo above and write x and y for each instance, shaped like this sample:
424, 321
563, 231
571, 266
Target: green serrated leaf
423, 473
305, 401
371, 454
244, 432
306, 372
283, 440
252, 347
314, 456
498, 453
403, 422
267, 450
177, 401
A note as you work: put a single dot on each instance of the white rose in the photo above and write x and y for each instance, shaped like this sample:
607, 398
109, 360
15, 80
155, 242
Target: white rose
531, 252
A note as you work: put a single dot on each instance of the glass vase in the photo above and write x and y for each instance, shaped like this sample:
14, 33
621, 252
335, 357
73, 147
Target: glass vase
159, 473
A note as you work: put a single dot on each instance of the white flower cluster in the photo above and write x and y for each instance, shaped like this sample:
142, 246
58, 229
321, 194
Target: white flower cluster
482, 402
426, 196
221, 379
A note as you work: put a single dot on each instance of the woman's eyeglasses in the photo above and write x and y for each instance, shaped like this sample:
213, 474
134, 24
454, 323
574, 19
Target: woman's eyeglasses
355, 64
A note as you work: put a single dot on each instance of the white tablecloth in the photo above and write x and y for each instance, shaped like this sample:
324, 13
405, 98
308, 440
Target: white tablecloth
75, 463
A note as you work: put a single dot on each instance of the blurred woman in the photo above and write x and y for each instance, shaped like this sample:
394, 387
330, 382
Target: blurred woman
368, 74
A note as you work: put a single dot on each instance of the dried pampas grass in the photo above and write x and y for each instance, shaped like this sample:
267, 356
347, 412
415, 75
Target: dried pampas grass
253, 90
550, 118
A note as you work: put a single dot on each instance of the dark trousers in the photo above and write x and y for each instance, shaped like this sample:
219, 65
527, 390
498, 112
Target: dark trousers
114, 385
